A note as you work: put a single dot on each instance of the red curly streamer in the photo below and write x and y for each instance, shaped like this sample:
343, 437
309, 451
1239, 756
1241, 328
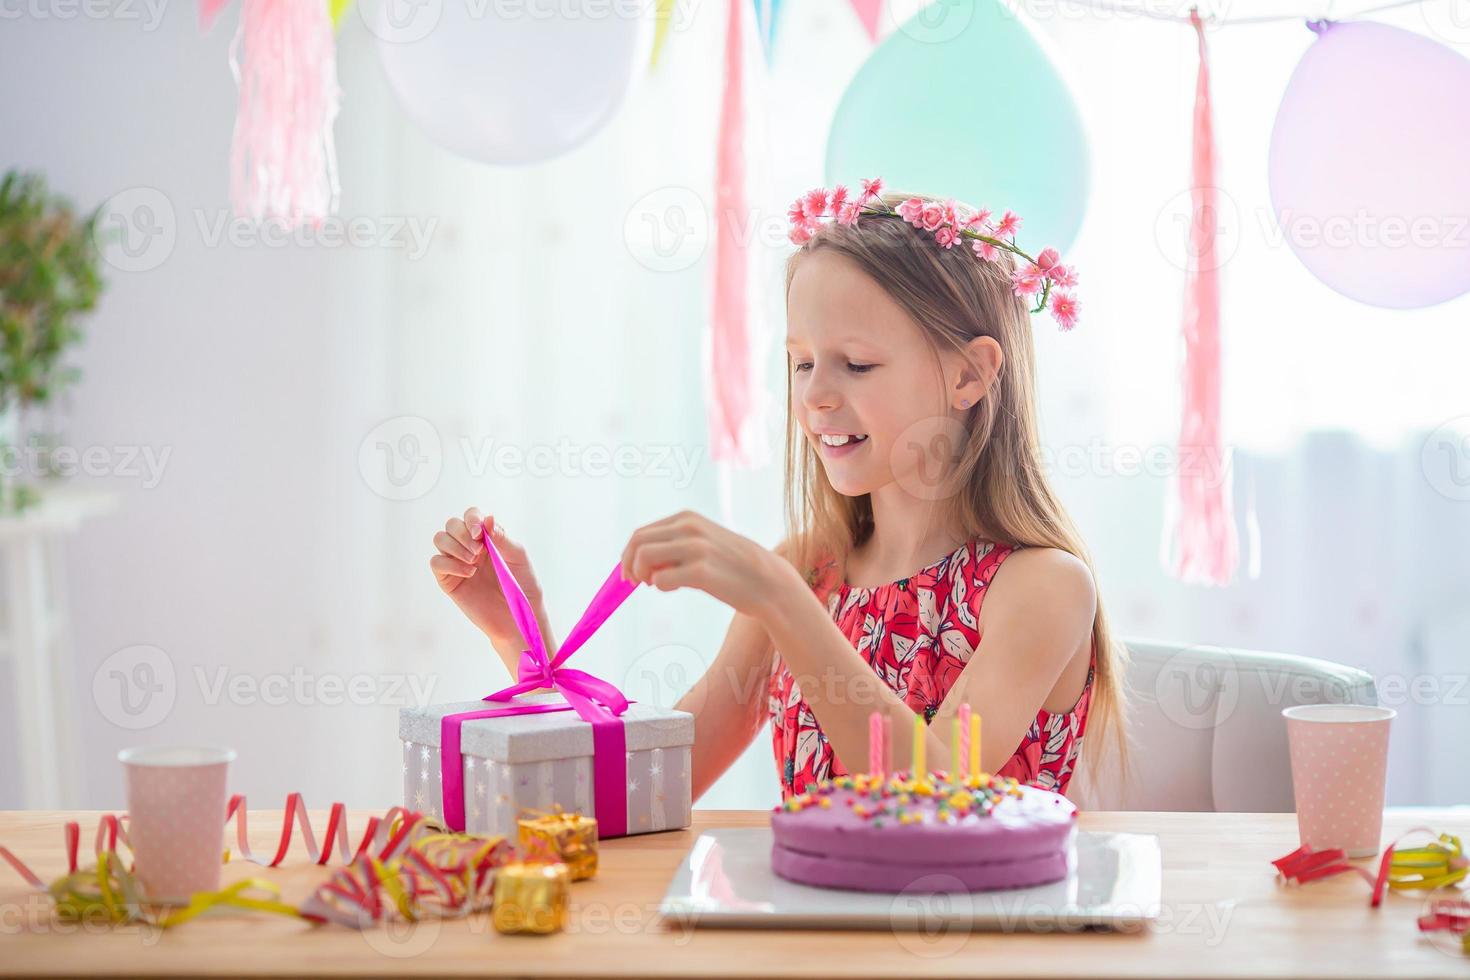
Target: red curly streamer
111, 830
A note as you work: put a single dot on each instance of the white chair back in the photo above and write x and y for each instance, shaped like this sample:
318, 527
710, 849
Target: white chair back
1205, 729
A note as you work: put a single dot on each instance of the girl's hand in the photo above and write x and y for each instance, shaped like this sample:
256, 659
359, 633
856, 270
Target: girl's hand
689, 550
462, 568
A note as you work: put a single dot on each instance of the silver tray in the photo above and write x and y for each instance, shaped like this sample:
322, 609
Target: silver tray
1114, 882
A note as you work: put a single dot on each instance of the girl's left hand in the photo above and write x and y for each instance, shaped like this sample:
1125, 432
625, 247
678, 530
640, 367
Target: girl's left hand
689, 550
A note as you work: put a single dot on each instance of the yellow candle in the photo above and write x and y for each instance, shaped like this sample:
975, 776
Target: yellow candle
919, 772
955, 763
975, 744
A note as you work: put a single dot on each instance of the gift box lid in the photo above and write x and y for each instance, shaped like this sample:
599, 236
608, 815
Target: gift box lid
545, 735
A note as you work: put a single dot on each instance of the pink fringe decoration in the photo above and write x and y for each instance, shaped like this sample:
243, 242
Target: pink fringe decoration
730, 369
1204, 528
867, 12
208, 11
283, 163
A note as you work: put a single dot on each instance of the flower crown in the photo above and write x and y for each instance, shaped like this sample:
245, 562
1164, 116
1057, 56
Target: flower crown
1039, 275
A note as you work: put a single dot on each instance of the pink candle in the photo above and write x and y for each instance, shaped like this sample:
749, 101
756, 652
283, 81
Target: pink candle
959, 764
875, 742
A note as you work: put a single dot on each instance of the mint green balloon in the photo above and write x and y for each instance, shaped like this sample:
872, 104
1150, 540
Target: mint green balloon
962, 101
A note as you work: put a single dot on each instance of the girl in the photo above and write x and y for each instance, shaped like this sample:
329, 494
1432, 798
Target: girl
928, 564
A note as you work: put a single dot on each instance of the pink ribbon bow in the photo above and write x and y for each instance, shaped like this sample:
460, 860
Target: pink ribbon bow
599, 703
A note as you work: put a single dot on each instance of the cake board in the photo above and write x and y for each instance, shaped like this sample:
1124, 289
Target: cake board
1114, 882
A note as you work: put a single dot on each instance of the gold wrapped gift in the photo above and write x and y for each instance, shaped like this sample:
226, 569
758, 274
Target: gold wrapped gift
531, 896
568, 837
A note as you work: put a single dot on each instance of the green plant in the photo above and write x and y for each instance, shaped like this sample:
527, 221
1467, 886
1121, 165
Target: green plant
49, 275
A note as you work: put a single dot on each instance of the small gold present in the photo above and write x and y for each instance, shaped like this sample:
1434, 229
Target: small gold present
568, 837
531, 896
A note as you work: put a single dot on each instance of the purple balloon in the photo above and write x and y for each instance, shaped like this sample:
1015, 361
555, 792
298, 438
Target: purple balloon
1370, 165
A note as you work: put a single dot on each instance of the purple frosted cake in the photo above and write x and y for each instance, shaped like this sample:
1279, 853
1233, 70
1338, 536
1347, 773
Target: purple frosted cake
869, 833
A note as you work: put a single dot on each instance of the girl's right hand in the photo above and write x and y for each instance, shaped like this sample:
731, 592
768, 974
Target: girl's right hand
463, 570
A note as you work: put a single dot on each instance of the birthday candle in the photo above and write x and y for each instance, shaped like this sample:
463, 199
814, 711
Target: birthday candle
964, 754
975, 743
954, 752
919, 772
887, 747
875, 742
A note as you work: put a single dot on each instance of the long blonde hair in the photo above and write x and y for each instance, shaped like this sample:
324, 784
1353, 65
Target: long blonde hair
1000, 487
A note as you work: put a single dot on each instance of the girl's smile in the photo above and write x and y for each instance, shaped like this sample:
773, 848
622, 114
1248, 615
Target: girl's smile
837, 445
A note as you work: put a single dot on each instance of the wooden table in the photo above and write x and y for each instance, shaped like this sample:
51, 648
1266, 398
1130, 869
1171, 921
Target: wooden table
1224, 914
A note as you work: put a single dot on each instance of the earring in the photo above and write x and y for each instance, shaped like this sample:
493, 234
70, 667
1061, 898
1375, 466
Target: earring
965, 403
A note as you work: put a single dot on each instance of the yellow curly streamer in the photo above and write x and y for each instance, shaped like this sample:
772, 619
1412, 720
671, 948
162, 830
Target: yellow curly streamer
1430, 866
111, 890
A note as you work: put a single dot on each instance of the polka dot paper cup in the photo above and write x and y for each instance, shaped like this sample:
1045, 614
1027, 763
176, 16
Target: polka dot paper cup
176, 818
1339, 767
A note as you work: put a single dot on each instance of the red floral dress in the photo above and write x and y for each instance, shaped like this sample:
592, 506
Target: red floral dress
917, 634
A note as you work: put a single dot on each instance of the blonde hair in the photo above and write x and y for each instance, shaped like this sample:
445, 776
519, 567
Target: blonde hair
1001, 489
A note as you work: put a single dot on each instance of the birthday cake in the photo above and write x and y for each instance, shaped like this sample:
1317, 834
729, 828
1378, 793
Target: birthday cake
877, 833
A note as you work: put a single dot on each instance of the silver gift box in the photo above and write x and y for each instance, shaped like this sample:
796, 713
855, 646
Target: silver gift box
537, 761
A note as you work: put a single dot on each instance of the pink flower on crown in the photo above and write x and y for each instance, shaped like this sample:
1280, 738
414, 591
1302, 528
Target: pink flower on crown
1026, 281
814, 205
976, 221
1045, 274
1064, 309
1010, 223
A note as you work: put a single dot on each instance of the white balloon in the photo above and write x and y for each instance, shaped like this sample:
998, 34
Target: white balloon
510, 81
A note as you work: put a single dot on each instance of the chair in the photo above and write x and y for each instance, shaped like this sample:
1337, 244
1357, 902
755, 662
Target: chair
1205, 730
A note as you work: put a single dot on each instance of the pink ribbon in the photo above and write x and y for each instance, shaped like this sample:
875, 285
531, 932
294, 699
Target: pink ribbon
599, 703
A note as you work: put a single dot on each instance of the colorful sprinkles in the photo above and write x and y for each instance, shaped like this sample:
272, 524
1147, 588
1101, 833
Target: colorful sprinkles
900, 796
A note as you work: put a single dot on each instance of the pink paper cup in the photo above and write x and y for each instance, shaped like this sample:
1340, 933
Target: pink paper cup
1339, 767
176, 818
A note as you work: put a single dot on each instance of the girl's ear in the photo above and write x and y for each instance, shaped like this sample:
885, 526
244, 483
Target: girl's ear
979, 366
